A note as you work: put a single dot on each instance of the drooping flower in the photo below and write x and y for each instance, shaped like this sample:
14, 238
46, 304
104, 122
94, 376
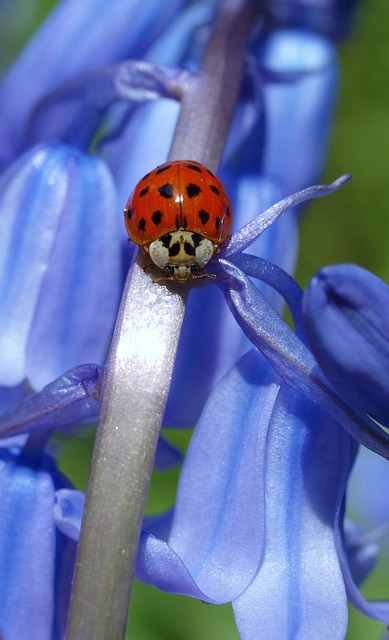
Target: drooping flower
59, 263
36, 559
263, 482
348, 332
286, 351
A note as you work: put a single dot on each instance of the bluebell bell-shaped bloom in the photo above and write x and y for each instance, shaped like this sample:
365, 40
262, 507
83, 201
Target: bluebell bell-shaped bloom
59, 265
349, 335
259, 512
36, 559
44, 348
280, 242
109, 38
301, 81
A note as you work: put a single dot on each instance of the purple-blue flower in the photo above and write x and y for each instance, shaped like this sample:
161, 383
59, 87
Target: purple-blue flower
52, 286
348, 331
259, 515
36, 558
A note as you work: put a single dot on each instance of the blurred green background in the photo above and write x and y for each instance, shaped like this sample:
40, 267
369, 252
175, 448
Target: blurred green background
352, 226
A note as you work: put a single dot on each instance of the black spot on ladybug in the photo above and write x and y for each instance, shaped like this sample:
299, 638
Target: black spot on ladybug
146, 176
211, 174
142, 224
166, 191
214, 189
174, 249
192, 190
157, 217
204, 216
129, 213
196, 238
166, 240
195, 167
218, 223
228, 211
143, 192
177, 222
189, 249
184, 222
163, 169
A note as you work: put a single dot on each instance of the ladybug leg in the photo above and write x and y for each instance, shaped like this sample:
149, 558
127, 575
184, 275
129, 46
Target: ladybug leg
199, 276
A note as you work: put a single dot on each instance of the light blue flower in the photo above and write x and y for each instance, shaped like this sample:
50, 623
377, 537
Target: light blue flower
36, 560
79, 37
59, 264
259, 513
266, 472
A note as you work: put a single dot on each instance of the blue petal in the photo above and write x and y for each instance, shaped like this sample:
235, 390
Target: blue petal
362, 553
69, 399
10, 397
28, 548
129, 82
378, 610
299, 592
143, 145
245, 236
298, 113
172, 45
291, 358
278, 279
59, 271
114, 30
32, 199
349, 335
216, 541
80, 293
216, 330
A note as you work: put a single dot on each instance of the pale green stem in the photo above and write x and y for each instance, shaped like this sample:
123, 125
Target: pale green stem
139, 368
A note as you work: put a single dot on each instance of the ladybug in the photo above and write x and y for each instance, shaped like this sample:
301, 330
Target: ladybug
180, 215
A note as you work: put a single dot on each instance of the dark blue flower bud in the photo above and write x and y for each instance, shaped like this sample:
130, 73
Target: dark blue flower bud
345, 310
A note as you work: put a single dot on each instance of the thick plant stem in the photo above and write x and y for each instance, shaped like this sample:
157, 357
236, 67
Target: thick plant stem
139, 369
133, 399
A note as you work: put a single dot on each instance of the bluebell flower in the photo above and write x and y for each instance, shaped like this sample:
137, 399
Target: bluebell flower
63, 34
289, 436
349, 335
259, 513
49, 329
51, 285
36, 559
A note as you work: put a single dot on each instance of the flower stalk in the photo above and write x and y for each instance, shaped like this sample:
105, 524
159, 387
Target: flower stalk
139, 368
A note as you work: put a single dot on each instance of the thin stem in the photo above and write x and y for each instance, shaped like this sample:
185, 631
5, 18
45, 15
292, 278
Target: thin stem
137, 379
209, 100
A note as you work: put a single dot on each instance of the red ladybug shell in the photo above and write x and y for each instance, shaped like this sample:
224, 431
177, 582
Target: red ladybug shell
178, 195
